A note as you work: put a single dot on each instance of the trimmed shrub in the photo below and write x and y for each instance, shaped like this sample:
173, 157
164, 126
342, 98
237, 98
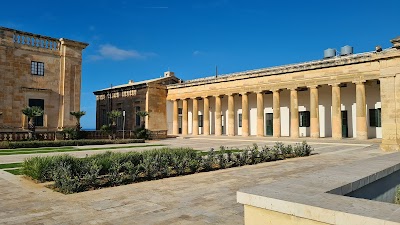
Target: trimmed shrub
397, 196
72, 174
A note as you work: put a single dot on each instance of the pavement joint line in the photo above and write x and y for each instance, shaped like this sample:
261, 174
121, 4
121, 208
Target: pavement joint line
322, 143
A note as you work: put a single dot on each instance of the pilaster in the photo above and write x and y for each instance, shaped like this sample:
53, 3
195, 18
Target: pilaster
245, 114
276, 105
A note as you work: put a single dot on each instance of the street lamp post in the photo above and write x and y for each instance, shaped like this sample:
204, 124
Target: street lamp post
123, 125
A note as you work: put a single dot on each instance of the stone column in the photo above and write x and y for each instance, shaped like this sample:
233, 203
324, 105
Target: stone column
218, 119
206, 112
195, 117
231, 115
361, 112
175, 125
185, 117
260, 114
294, 114
276, 105
390, 130
314, 112
336, 112
245, 114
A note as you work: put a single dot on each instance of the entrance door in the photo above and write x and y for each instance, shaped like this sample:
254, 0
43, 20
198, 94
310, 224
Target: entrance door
269, 125
180, 124
223, 123
345, 128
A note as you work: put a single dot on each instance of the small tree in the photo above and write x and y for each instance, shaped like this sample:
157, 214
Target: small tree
78, 115
143, 115
32, 113
114, 115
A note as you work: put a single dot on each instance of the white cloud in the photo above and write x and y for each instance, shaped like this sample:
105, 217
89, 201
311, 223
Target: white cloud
197, 52
114, 53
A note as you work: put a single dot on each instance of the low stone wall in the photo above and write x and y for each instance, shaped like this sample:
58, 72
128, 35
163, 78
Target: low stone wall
158, 134
24, 135
58, 135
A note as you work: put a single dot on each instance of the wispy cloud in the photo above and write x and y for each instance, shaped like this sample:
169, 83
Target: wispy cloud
114, 53
197, 52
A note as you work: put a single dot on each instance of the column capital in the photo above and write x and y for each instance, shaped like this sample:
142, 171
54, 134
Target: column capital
276, 90
205, 96
244, 93
313, 86
334, 84
359, 82
292, 88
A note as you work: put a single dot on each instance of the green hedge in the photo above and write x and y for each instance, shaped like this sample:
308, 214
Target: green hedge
71, 174
60, 143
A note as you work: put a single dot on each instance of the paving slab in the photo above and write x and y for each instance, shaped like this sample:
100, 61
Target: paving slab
204, 198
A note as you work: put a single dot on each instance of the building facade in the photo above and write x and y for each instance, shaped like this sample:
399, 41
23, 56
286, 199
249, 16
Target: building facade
133, 97
352, 95
37, 70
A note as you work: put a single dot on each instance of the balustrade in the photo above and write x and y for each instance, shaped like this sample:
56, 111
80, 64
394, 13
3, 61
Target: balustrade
36, 41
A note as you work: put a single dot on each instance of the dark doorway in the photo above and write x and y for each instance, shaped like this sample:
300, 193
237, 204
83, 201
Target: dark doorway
180, 124
269, 124
345, 127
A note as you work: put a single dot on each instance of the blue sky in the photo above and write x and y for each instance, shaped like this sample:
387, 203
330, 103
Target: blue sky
140, 39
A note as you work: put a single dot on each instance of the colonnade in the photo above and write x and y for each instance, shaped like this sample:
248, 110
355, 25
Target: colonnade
336, 120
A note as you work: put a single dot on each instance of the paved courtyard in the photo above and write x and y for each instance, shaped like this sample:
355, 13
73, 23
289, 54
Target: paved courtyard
205, 198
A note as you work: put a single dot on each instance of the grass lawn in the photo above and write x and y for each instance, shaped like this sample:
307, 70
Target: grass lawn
20, 151
10, 165
13, 168
17, 171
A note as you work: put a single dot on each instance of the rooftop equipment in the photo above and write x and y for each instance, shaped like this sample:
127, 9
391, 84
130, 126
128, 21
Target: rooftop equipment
329, 53
346, 50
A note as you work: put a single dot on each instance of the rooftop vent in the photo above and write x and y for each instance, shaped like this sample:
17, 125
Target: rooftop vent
169, 74
329, 53
346, 50
130, 82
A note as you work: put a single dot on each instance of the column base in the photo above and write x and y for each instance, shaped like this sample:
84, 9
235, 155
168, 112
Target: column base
390, 147
315, 135
245, 135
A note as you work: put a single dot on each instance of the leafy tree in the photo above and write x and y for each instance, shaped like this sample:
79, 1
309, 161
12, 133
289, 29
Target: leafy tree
32, 113
78, 115
114, 115
143, 115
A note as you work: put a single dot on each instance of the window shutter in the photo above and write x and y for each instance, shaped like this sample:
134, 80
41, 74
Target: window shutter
378, 117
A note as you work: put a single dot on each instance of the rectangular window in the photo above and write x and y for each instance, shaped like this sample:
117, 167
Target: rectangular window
137, 109
304, 119
39, 103
200, 120
375, 117
179, 110
37, 68
240, 120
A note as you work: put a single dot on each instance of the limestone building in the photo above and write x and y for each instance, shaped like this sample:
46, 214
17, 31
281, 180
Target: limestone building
341, 96
37, 70
133, 97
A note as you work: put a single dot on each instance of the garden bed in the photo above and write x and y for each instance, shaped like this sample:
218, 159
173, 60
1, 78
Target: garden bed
71, 174
60, 143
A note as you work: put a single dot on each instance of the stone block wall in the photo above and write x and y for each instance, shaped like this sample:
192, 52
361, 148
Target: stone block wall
59, 87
